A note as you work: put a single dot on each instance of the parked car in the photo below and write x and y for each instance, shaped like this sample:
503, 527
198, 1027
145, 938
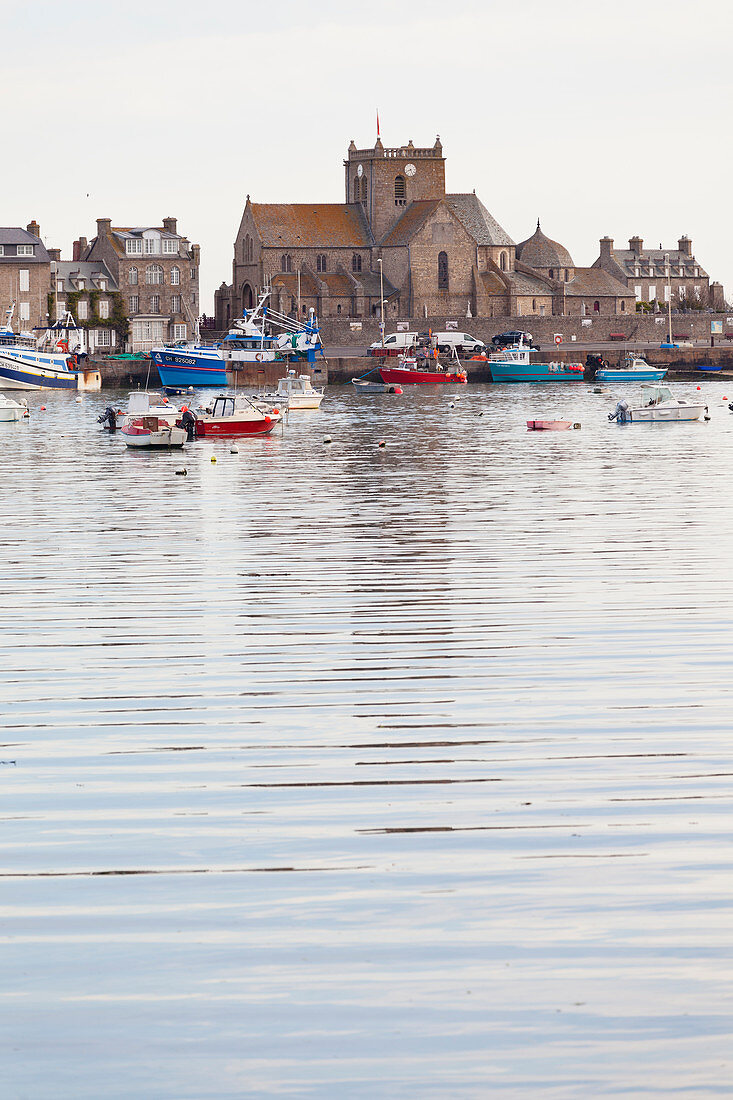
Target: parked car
460, 341
506, 339
394, 344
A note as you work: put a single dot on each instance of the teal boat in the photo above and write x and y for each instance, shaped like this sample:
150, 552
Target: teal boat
514, 365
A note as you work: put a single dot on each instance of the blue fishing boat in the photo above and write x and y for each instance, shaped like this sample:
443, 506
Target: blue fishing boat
514, 364
44, 362
632, 368
260, 336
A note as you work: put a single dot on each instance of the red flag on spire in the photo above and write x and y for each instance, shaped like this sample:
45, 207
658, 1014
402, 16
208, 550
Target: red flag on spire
377, 121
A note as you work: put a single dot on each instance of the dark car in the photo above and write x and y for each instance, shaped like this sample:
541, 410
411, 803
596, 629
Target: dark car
506, 339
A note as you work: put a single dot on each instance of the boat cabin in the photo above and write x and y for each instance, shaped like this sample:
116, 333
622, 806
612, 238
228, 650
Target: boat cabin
655, 395
223, 406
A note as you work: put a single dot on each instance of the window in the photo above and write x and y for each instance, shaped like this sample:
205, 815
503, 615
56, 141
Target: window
81, 284
175, 276
179, 332
152, 246
103, 338
170, 246
286, 263
320, 263
25, 249
193, 273
60, 308
698, 291
356, 262
363, 196
133, 246
682, 293
24, 311
400, 191
667, 294
132, 276
534, 305
154, 275
176, 303
338, 309
623, 307
637, 293
102, 284
104, 309
23, 279
596, 307
442, 271
567, 275
552, 273
248, 250
502, 261
81, 309
2, 249
59, 284
193, 297
155, 303
134, 303
652, 293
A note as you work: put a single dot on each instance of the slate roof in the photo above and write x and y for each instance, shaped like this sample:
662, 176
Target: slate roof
594, 281
627, 260
473, 215
311, 225
14, 236
411, 221
492, 283
541, 252
91, 271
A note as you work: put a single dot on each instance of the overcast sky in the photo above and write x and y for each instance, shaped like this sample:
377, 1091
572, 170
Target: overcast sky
599, 119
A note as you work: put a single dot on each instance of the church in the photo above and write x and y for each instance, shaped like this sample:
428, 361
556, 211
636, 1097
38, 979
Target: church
431, 253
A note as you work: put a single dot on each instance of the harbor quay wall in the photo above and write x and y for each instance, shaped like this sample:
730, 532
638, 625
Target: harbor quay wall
646, 328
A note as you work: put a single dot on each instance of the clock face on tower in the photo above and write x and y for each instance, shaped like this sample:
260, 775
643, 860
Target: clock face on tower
360, 171
410, 169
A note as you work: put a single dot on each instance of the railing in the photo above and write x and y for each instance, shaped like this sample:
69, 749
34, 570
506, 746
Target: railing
402, 153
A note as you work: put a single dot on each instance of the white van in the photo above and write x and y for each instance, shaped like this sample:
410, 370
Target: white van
394, 343
461, 341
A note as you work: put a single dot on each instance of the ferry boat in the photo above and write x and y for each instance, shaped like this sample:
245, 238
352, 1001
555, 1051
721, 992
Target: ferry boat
44, 362
261, 335
513, 364
632, 368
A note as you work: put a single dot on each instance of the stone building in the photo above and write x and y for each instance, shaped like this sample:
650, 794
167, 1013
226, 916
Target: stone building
25, 273
575, 291
157, 272
658, 274
89, 291
439, 253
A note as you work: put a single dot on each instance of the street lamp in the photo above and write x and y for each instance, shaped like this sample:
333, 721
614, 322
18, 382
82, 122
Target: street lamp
381, 298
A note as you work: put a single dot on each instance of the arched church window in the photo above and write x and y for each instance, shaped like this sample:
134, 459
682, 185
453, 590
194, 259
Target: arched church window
552, 273
502, 261
356, 262
286, 263
364, 190
400, 191
442, 271
320, 263
357, 192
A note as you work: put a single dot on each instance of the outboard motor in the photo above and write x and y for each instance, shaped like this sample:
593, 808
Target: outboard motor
188, 422
108, 419
593, 363
622, 414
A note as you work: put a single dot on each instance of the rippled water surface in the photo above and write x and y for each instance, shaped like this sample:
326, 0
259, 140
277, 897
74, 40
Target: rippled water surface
344, 771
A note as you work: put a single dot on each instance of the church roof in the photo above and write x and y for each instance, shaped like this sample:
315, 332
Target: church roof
539, 251
473, 215
311, 225
597, 282
529, 284
411, 221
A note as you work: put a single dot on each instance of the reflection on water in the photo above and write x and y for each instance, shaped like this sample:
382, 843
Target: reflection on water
345, 771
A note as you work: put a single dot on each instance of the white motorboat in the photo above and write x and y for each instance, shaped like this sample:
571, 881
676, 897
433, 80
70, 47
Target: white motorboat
12, 411
658, 405
139, 404
632, 368
295, 391
149, 432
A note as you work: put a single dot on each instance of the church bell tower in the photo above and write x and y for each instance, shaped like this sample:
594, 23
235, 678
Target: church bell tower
385, 181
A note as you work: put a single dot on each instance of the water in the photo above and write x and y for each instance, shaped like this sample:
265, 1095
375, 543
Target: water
347, 771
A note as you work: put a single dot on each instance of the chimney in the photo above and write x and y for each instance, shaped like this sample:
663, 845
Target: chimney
196, 253
169, 224
684, 244
54, 253
104, 227
34, 228
78, 249
606, 248
636, 245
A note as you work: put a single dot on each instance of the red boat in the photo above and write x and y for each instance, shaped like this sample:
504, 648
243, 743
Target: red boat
550, 425
409, 372
230, 416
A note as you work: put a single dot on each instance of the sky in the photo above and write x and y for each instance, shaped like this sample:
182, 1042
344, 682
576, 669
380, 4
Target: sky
600, 119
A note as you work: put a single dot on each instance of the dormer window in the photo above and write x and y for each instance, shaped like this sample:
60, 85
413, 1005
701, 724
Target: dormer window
59, 285
81, 284
152, 246
134, 246
25, 249
170, 246
102, 284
